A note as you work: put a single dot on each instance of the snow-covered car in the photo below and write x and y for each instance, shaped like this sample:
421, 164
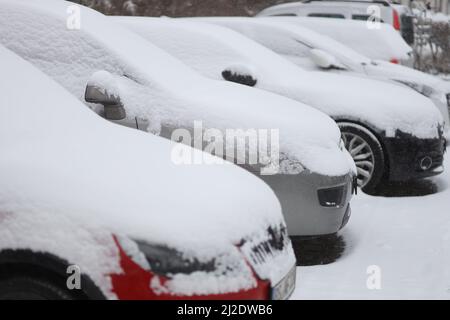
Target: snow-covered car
381, 43
299, 151
313, 51
392, 132
82, 197
366, 10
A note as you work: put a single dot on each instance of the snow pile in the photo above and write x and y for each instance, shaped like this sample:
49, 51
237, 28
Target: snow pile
407, 238
210, 49
69, 180
439, 17
384, 43
156, 86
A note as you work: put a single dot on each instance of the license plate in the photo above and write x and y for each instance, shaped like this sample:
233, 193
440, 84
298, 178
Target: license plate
284, 288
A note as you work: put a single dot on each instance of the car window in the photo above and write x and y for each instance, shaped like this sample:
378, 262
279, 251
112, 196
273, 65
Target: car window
283, 15
279, 41
327, 15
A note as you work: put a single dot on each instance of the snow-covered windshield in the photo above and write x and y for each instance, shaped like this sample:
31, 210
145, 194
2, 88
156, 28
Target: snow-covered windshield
289, 38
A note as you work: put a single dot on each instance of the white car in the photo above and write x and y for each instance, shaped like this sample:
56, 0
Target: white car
382, 43
379, 120
398, 16
298, 150
313, 51
81, 198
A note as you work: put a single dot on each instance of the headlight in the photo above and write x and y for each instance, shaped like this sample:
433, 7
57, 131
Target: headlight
332, 197
423, 89
161, 259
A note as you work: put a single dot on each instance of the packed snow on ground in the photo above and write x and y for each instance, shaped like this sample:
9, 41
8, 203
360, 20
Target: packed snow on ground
407, 238
211, 49
160, 88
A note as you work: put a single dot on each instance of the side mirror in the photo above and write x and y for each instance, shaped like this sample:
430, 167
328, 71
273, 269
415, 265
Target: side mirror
325, 60
98, 92
239, 75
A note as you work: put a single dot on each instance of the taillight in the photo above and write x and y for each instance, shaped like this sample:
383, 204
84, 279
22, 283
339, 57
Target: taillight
396, 19
394, 60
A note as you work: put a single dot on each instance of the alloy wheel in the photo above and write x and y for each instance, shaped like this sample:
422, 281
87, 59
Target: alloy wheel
363, 156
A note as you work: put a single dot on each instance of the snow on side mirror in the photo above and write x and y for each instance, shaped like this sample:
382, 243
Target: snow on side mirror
240, 74
102, 89
325, 60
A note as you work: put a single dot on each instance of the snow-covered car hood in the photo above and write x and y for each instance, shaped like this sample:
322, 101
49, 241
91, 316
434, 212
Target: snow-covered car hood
210, 49
61, 160
398, 72
159, 87
388, 107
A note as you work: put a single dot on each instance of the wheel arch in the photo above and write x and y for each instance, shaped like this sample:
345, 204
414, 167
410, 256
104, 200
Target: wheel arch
375, 134
47, 266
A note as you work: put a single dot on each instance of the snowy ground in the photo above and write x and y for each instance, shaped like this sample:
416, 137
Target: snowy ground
408, 238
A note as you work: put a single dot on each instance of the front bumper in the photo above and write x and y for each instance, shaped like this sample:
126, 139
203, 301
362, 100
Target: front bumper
302, 210
413, 158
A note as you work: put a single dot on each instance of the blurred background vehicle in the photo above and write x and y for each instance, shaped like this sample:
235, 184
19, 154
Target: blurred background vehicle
396, 15
378, 44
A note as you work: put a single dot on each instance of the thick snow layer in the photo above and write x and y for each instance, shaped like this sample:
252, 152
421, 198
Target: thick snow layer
295, 42
384, 43
69, 180
156, 86
407, 238
287, 38
210, 49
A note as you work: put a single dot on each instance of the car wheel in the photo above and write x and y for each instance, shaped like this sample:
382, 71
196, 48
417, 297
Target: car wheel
318, 250
31, 288
367, 152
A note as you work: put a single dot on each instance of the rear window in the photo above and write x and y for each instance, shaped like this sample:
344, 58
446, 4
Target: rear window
327, 15
363, 17
283, 15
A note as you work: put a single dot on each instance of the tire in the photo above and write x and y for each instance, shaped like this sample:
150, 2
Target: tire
370, 160
320, 250
31, 288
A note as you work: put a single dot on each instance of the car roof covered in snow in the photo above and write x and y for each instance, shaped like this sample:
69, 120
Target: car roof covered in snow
159, 87
211, 49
